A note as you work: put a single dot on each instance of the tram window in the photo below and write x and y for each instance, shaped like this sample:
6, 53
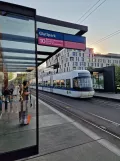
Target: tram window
40, 83
54, 83
58, 83
68, 85
48, 83
75, 83
62, 83
44, 83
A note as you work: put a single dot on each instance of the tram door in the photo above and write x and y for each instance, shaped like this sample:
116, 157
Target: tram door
51, 83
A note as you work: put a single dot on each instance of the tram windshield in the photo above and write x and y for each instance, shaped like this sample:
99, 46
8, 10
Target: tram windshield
82, 82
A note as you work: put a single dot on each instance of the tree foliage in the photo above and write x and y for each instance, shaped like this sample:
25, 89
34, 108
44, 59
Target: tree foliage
10, 75
117, 75
90, 68
21, 77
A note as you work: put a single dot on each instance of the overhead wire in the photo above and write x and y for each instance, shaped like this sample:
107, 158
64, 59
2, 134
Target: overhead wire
106, 37
93, 11
88, 10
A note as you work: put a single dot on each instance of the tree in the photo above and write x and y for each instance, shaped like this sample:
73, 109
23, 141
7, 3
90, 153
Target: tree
90, 68
117, 75
10, 75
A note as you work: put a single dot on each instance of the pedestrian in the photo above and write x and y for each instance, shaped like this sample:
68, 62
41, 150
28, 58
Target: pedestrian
24, 103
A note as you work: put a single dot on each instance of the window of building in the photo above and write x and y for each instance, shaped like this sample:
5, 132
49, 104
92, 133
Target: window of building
67, 69
101, 64
76, 63
74, 68
104, 61
65, 65
62, 82
64, 69
84, 63
78, 58
68, 54
80, 54
99, 60
97, 64
91, 64
80, 63
68, 64
66, 59
74, 54
68, 84
94, 60
79, 68
67, 50
71, 59
82, 59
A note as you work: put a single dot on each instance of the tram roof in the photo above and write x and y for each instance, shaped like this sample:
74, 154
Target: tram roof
17, 42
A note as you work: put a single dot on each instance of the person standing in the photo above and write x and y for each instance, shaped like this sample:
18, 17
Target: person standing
24, 103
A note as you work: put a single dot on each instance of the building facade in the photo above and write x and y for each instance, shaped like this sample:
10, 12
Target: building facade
80, 60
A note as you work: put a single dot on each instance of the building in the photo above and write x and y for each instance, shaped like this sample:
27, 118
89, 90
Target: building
69, 59
109, 59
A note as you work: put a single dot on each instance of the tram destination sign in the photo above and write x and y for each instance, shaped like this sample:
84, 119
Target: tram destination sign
57, 39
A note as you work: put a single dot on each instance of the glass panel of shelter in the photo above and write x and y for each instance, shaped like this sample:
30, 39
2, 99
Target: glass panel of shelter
15, 100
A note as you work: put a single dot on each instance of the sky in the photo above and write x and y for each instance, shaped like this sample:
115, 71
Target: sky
104, 21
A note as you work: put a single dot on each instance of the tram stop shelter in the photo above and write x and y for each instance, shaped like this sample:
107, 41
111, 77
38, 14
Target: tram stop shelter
27, 40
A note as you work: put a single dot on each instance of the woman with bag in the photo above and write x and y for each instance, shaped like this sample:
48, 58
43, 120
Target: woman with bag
24, 117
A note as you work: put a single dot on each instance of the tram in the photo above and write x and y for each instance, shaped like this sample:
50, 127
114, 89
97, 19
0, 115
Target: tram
77, 84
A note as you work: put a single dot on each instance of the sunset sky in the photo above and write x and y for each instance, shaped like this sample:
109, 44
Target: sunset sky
104, 21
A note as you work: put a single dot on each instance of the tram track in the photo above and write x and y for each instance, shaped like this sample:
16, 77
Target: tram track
109, 103
110, 127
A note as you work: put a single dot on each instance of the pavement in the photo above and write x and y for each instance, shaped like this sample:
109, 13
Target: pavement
61, 138
110, 96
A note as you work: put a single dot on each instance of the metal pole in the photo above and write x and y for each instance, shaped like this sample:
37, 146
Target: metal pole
57, 64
